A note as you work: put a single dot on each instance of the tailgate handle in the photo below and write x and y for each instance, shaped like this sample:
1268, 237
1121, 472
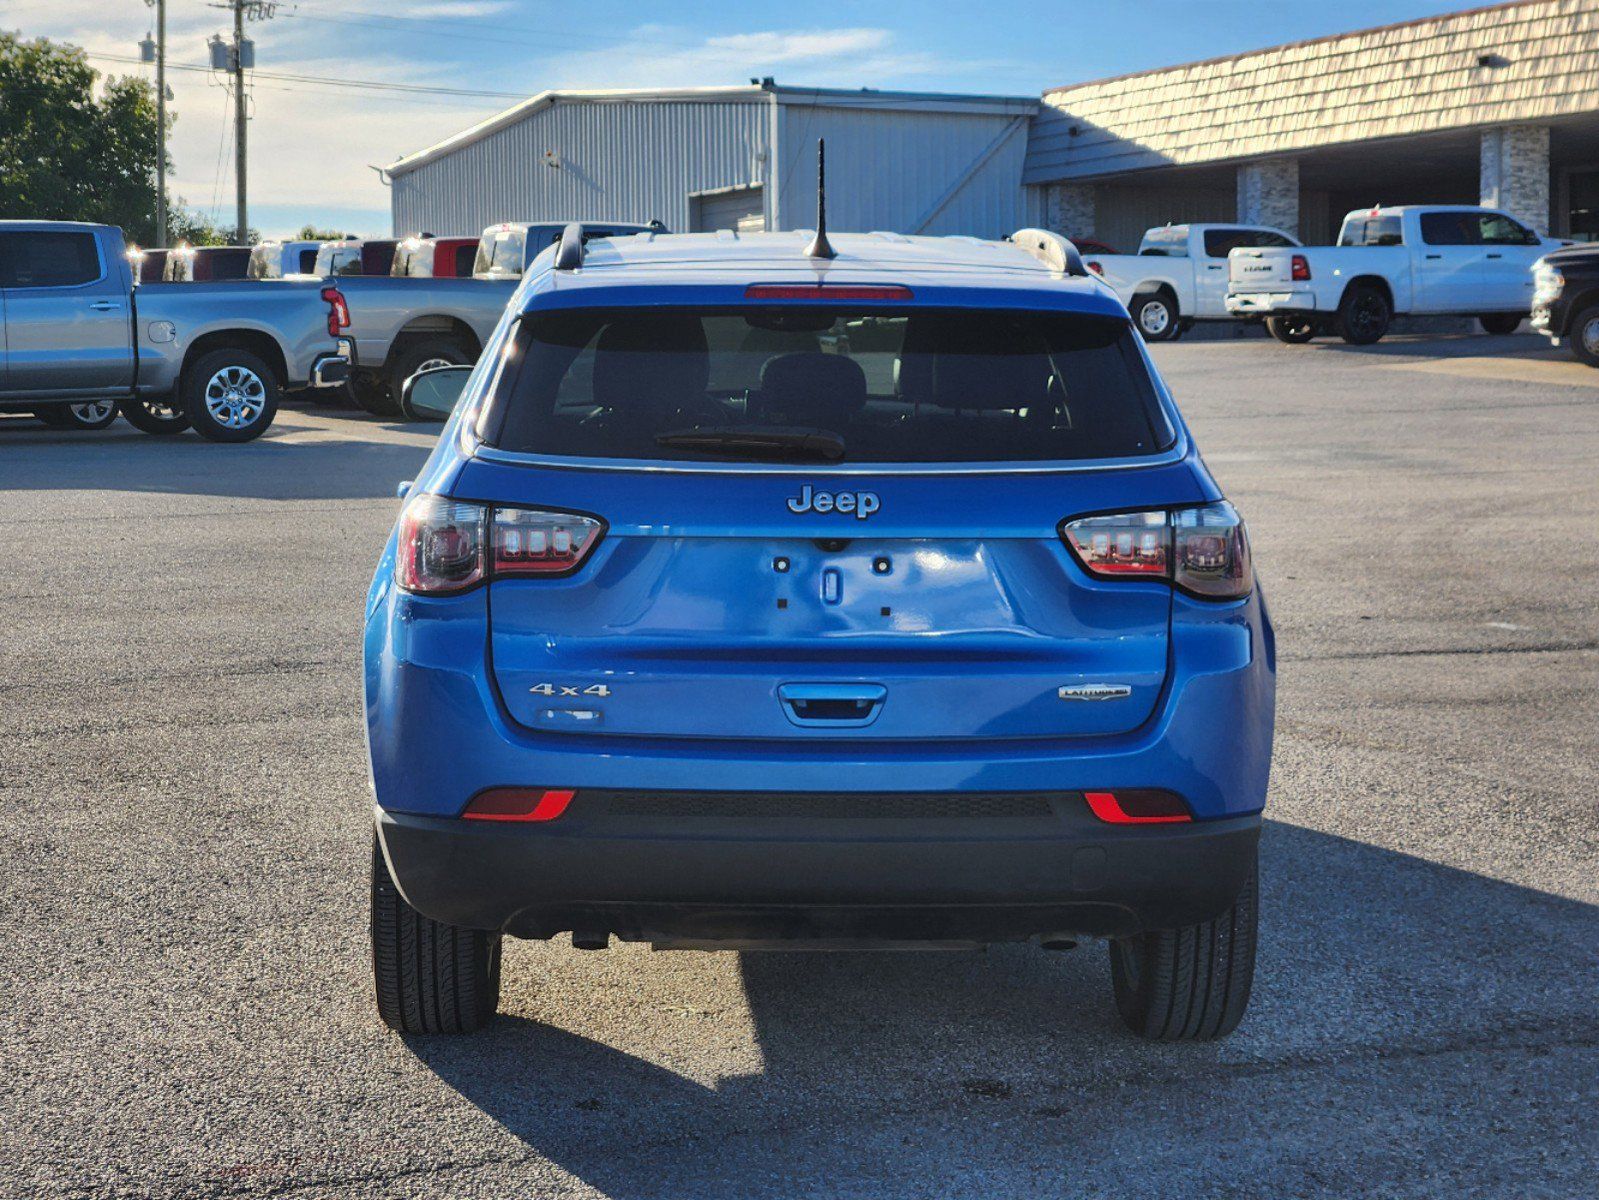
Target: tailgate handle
832, 705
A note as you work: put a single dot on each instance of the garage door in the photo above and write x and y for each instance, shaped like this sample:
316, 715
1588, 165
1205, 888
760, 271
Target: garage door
741, 209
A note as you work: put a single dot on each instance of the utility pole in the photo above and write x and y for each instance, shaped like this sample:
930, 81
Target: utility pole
160, 123
240, 121
235, 58
155, 50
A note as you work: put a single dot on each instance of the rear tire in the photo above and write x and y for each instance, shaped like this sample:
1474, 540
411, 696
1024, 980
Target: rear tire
229, 395
430, 977
371, 394
88, 416
1292, 331
1155, 316
1364, 315
159, 416
421, 356
1584, 336
1500, 323
1190, 984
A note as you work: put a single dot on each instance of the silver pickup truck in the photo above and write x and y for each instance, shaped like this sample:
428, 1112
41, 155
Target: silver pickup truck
81, 341
402, 325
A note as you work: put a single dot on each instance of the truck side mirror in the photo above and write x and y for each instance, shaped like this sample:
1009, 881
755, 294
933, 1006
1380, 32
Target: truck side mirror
432, 395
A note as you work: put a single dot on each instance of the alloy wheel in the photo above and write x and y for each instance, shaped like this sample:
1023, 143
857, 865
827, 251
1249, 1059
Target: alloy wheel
235, 397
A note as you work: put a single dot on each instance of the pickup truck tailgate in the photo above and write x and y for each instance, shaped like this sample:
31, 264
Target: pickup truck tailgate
1261, 269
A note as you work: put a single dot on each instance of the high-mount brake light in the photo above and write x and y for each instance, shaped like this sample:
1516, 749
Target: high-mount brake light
450, 546
338, 310
1299, 267
1202, 550
518, 804
1138, 806
819, 291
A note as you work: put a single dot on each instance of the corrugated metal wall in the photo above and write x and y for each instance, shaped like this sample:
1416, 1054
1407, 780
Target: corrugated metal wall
620, 161
887, 169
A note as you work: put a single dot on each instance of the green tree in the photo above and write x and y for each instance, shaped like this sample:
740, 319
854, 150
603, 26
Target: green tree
67, 153
310, 233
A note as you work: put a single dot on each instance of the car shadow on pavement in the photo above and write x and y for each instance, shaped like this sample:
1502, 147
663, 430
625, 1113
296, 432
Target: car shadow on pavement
346, 467
878, 1064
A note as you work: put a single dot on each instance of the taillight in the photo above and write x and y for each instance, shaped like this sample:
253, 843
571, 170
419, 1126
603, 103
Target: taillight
1095, 267
1204, 550
448, 546
440, 547
1298, 268
338, 310
529, 542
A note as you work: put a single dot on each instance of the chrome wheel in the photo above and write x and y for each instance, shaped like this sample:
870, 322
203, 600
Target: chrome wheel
94, 411
235, 397
1154, 318
1590, 336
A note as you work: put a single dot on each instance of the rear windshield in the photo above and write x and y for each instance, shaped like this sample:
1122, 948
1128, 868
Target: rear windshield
1371, 231
266, 261
500, 253
338, 260
931, 385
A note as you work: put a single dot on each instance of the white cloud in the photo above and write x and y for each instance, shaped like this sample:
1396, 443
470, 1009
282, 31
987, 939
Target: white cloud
773, 47
458, 10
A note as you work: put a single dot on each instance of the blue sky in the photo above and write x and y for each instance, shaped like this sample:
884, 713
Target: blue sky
312, 143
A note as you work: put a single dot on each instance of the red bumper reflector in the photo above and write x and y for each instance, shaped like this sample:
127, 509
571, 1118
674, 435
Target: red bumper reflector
836, 291
518, 804
1140, 807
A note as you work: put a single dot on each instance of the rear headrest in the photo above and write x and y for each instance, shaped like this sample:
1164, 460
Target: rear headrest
651, 365
946, 362
812, 389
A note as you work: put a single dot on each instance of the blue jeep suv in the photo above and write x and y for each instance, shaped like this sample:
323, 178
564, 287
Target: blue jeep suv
754, 599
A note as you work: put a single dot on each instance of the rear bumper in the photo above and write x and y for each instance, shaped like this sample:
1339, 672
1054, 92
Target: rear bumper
1271, 304
329, 370
718, 878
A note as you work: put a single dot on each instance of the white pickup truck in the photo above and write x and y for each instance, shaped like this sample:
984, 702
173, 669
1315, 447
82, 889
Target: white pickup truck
1179, 274
1418, 259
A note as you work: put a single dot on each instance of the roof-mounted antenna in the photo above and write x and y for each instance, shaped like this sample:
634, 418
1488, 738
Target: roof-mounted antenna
820, 247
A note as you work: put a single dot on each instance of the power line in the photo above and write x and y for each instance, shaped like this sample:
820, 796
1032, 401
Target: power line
370, 85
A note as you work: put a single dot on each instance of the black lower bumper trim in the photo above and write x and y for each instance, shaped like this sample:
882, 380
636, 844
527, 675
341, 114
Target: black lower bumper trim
717, 878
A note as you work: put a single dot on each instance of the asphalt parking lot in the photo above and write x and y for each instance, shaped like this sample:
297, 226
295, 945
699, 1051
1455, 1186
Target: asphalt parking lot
184, 842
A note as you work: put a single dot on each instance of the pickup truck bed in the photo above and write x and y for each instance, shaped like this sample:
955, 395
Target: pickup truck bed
79, 334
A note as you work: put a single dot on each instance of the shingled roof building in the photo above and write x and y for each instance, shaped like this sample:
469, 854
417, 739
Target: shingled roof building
1496, 105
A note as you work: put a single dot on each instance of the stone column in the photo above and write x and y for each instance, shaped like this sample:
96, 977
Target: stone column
1268, 194
1515, 172
1069, 208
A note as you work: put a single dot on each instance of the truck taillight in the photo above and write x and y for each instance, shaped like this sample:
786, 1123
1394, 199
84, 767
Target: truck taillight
1299, 268
450, 546
338, 310
1203, 550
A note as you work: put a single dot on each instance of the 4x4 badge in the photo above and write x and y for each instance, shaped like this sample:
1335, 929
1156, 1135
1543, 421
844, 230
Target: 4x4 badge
862, 504
1095, 691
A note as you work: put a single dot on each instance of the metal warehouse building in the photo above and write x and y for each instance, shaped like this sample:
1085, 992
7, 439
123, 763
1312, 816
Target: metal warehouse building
1495, 105
729, 158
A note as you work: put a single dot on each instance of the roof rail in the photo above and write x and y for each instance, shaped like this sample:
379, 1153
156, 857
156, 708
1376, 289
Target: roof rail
569, 252
1050, 249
